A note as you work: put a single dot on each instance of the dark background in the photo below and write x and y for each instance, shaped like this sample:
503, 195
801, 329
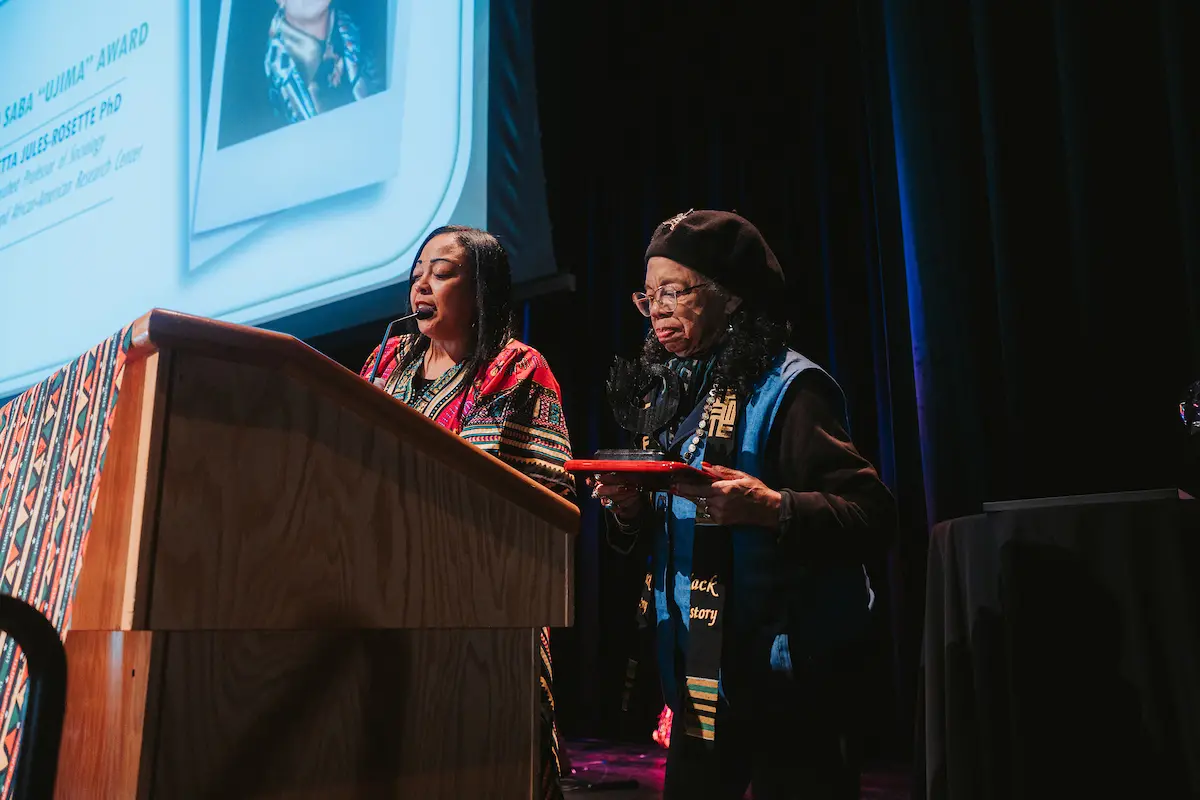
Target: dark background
987, 214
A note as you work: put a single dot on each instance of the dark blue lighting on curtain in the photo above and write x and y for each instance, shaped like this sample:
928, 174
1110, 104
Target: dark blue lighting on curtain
916, 305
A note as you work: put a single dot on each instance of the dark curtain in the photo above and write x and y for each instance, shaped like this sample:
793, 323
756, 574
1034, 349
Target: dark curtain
987, 216
1048, 184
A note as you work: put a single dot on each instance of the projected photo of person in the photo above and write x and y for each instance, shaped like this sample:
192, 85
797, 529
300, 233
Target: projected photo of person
315, 60
317, 83
290, 60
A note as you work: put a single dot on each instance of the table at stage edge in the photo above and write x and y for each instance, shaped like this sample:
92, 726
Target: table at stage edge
1061, 653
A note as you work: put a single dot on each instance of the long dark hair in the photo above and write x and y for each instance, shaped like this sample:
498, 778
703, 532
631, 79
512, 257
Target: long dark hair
751, 347
493, 325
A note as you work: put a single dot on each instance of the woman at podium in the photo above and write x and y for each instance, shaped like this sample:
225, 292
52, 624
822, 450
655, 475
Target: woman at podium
463, 368
760, 599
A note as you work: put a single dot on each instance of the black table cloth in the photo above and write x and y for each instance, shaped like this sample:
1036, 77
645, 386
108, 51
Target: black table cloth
1061, 654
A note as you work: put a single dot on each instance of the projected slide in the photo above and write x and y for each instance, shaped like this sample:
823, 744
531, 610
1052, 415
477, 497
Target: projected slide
238, 159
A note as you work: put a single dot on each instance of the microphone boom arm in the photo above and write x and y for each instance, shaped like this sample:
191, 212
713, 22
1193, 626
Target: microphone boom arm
424, 313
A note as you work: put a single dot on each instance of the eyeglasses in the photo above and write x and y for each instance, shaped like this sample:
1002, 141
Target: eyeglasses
665, 296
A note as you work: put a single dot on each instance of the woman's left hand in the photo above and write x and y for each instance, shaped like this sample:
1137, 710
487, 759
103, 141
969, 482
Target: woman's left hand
737, 498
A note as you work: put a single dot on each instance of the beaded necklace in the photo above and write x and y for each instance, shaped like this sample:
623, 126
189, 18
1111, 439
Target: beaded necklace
702, 428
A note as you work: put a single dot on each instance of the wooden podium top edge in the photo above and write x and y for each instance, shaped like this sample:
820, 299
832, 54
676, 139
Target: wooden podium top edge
160, 329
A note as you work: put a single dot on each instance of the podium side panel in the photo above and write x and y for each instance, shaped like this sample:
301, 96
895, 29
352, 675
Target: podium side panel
114, 579
109, 732
347, 714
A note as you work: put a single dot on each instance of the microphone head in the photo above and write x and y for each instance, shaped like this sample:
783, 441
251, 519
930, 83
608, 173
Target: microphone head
425, 313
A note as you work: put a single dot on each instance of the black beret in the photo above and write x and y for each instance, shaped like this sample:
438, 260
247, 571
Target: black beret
725, 248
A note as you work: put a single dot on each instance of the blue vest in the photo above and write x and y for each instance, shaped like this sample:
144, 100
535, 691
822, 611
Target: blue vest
777, 612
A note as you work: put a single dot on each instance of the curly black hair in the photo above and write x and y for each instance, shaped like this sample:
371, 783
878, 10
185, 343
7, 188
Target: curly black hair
752, 346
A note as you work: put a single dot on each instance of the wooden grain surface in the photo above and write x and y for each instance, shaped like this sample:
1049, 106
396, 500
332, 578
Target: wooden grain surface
429, 714
251, 483
239, 343
115, 563
108, 742
282, 508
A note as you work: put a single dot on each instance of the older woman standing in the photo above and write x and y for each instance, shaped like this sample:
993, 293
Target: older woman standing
463, 369
759, 591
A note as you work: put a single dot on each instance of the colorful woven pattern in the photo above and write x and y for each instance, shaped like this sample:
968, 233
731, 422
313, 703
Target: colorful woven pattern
512, 409
52, 443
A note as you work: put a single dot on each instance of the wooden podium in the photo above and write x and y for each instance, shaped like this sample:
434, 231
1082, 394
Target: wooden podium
297, 587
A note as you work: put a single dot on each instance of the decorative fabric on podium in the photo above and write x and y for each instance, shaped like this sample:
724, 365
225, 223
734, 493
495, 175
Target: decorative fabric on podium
52, 444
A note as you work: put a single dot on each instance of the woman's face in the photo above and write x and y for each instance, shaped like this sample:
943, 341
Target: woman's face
442, 281
700, 316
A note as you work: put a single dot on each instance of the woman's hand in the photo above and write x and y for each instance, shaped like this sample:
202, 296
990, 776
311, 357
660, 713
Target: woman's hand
736, 499
624, 501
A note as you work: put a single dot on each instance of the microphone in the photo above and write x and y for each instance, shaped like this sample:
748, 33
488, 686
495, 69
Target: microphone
424, 313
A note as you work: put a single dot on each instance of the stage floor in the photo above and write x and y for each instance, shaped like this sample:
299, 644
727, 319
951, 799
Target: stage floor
608, 763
